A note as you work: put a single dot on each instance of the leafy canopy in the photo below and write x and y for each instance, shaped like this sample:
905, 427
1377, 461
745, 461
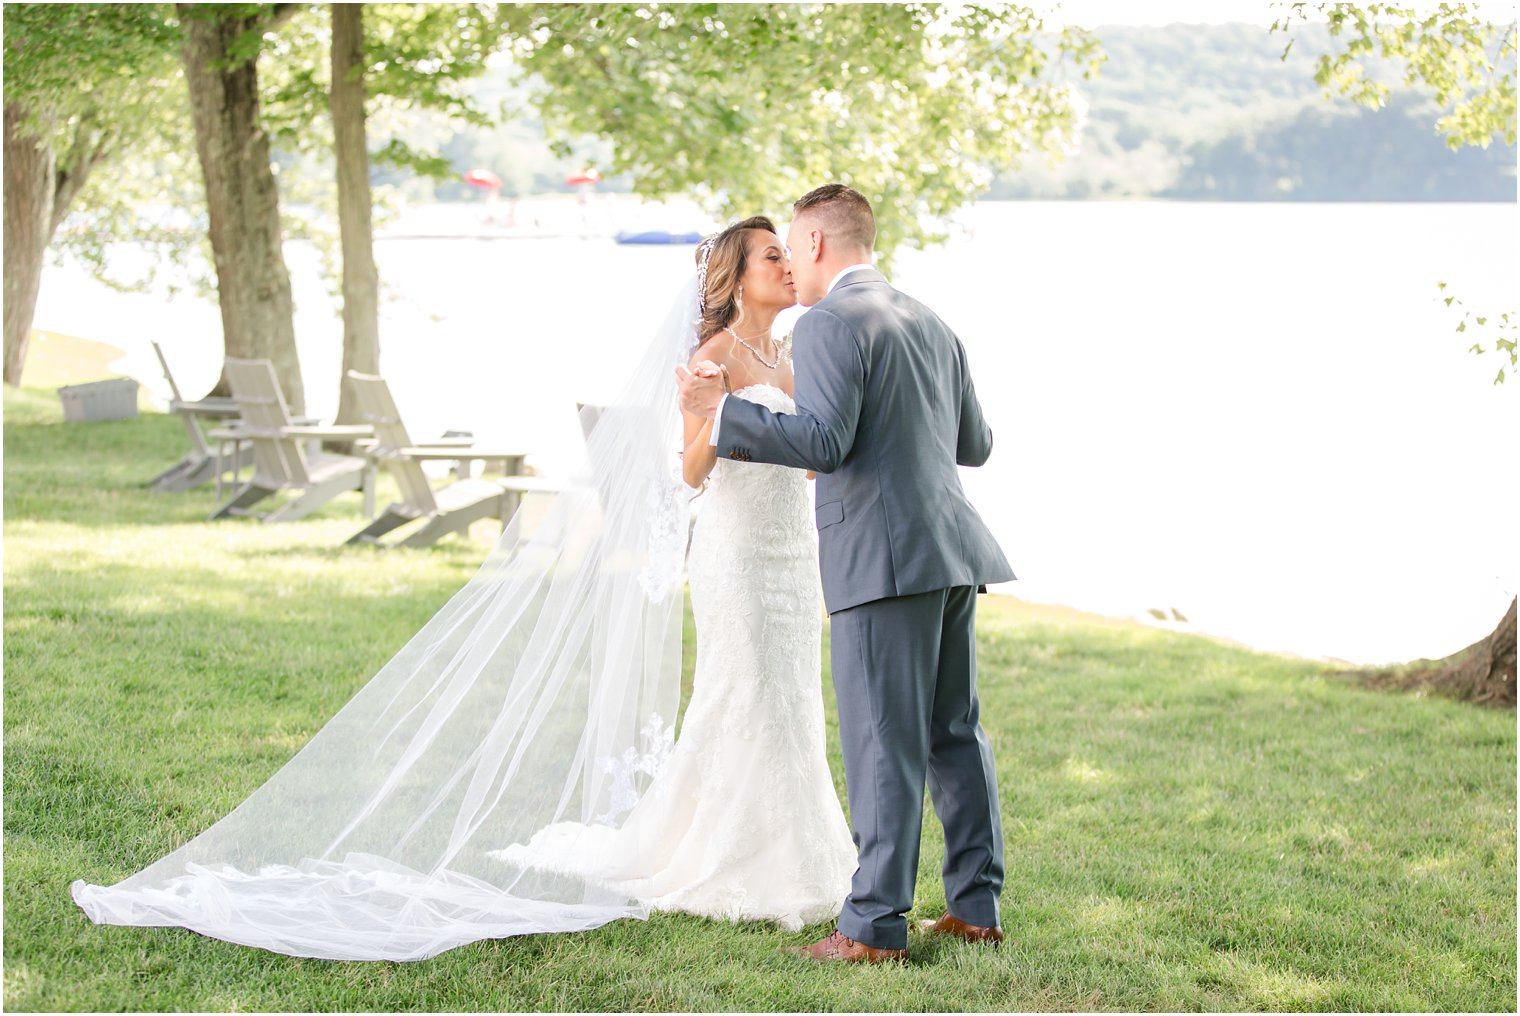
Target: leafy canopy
1467, 61
745, 106
749, 106
70, 61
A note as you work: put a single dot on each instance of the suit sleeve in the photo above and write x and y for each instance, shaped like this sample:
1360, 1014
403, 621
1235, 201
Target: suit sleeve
973, 446
830, 387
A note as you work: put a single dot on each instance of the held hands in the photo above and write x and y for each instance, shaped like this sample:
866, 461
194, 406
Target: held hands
700, 390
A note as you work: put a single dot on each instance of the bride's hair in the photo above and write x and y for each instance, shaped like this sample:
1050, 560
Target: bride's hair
720, 261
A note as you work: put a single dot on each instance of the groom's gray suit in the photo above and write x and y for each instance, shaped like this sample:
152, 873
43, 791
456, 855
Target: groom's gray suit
885, 412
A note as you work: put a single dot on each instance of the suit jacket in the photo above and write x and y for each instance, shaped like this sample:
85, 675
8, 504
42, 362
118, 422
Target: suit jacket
885, 412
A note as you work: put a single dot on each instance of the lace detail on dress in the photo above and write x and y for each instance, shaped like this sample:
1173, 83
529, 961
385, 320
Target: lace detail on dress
667, 537
656, 743
743, 822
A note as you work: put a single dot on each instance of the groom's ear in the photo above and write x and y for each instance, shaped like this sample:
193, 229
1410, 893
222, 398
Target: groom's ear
803, 241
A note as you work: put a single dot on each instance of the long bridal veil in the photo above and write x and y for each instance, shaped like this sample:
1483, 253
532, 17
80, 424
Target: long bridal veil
545, 690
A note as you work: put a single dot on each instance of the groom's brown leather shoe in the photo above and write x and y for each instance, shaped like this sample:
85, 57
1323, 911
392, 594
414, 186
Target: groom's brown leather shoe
839, 947
951, 925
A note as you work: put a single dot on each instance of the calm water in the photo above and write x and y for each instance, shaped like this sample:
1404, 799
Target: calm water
1256, 414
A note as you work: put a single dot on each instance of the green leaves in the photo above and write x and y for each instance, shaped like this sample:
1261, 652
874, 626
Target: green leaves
105, 61
743, 106
1453, 51
1504, 332
102, 82
751, 105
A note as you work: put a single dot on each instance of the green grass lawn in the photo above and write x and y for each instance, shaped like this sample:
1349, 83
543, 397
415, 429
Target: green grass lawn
1189, 825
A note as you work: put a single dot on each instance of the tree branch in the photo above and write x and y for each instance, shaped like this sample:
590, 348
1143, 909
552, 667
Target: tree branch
282, 13
70, 178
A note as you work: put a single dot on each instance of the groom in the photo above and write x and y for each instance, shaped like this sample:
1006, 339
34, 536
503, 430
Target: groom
885, 412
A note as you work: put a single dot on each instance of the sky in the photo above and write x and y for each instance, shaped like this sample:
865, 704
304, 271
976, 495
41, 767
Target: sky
1091, 13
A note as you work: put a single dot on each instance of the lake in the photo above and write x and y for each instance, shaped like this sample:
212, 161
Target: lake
1256, 415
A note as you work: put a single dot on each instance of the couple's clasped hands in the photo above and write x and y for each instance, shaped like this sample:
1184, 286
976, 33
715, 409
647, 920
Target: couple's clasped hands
701, 388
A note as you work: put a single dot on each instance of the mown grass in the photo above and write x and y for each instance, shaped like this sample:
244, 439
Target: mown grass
1189, 825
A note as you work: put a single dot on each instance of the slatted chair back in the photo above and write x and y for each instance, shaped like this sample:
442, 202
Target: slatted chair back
590, 414
158, 351
197, 439
278, 461
378, 409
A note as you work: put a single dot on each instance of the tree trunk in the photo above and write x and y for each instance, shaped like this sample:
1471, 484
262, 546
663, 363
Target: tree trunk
29, 183
253, 283
1484, 672
1492, 672
40, 187
361, 282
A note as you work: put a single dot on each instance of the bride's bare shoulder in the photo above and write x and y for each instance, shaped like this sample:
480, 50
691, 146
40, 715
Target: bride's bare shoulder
714, 349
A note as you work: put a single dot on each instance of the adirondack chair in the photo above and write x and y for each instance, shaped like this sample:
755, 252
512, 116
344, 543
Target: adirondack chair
281, 462
199, 464
589, 413
449, 509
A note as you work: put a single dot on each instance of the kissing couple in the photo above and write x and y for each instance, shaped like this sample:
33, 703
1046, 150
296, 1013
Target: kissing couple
515, 768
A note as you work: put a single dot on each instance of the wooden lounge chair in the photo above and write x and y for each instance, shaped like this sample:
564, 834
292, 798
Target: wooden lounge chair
450, 509
199, 464
281, 462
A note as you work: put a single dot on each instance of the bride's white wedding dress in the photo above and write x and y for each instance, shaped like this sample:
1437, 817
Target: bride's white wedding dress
537, 708
742, 821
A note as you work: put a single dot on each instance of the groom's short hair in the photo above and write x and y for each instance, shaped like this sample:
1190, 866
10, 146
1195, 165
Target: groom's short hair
843, 212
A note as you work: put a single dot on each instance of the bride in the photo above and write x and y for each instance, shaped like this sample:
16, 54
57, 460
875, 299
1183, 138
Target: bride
514, 768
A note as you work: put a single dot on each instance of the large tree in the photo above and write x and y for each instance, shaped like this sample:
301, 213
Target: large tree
221, 44
257, 77
361, 280
30, 187
395, 56
743, 105
69, 109
750, 105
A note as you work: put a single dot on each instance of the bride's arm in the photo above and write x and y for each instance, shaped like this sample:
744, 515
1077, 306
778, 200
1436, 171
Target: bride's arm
699, 457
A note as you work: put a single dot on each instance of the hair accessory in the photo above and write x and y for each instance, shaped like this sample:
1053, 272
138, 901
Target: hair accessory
706, 252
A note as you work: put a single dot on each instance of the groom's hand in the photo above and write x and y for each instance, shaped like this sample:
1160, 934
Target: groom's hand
700, 390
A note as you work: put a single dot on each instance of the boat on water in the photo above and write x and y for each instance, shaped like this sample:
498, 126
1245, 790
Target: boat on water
658, 236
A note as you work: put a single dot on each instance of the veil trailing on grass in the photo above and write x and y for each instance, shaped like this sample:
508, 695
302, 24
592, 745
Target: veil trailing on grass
545, 690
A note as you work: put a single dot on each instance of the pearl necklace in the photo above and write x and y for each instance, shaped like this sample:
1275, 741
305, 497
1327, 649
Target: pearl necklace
752, 349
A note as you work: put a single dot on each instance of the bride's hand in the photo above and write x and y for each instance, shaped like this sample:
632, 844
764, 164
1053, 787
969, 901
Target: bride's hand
701, 389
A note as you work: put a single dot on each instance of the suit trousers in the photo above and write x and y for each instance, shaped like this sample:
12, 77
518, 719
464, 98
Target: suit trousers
905, 682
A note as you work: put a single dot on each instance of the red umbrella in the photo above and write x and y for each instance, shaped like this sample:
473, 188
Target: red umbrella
584, 176
484, 179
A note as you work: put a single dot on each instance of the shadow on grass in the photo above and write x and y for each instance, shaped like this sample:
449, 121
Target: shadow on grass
97, 474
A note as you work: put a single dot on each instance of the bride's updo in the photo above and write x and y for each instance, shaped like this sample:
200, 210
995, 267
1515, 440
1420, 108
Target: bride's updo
720, 268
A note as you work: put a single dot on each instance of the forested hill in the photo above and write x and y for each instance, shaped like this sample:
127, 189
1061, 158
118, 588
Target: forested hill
1182, 112
1213, 112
